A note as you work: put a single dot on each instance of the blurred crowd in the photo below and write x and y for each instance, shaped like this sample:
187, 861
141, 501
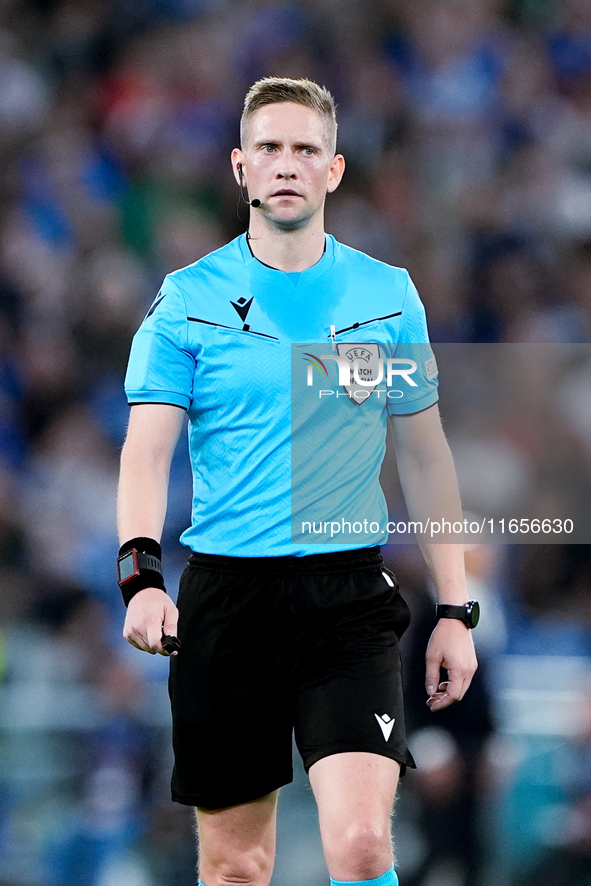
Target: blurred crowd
466, 126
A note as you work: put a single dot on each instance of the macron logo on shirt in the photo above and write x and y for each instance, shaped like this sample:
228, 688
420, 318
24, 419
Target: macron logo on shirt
242, 307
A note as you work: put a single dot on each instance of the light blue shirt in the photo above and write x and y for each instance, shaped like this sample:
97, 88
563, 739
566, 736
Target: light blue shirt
236, 344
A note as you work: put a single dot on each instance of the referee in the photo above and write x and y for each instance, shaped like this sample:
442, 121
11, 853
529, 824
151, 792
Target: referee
280, 634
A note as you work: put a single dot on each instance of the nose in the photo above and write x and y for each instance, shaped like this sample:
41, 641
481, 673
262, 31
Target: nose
286, 167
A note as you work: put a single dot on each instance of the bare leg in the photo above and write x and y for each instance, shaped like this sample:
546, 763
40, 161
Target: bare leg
237, 844
355, 793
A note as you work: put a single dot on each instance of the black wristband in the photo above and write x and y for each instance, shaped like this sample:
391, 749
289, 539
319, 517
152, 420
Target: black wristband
468, 613
146, 556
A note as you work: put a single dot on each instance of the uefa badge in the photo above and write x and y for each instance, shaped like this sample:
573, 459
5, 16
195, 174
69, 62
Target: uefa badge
366, 369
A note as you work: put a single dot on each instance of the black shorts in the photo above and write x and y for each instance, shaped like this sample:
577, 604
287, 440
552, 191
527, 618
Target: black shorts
281, 645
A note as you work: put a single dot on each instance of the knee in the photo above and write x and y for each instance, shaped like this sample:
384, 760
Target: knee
362, 852
251, 867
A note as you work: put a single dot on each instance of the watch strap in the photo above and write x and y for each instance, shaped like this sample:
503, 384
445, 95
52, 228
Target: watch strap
147, 561
468, 613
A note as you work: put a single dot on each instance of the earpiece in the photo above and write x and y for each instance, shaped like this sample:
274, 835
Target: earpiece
254, 203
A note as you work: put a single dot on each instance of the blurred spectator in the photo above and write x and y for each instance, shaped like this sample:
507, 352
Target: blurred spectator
550, 804
24, 97
68, 501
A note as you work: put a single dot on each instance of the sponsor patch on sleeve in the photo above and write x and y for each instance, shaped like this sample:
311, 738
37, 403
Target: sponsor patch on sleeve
431, 368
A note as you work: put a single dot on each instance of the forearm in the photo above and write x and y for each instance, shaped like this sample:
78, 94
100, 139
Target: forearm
431, 494
142, 495
428, 479
145, 468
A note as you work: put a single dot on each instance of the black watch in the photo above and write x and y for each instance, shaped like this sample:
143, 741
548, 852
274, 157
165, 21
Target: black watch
469, 612
130, 564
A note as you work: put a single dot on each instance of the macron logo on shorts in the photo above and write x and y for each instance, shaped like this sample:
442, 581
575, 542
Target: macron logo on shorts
386, 724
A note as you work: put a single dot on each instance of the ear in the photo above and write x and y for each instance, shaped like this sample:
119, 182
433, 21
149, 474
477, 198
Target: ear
237, 162
337, 168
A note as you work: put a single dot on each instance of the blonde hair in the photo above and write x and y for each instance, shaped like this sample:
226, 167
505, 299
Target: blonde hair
273, 90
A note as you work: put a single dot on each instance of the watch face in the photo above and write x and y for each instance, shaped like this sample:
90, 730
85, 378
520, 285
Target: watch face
472, 613
127, 566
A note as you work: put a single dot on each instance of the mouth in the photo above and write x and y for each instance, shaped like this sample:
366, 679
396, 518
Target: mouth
286, 192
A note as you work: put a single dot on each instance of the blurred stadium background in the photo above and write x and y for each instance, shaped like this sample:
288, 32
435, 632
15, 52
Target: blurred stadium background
467, 129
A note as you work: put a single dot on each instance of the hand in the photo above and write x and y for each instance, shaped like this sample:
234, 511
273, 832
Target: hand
450, 647
150, 614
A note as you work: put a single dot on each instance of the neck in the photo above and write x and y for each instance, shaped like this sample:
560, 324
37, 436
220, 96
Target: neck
286, 250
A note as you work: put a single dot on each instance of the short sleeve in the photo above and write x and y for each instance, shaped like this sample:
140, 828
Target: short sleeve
418, 374
161, 368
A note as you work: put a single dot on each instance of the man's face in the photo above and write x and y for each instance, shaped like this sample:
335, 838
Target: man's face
288, 164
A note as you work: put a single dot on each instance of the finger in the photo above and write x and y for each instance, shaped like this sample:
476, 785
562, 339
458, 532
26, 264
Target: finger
140, 644
154, 636
435, 702
169, 625
439, 701
455, 690
437, 695
138, 635
449, 693
432, 676
441, 698
459, 685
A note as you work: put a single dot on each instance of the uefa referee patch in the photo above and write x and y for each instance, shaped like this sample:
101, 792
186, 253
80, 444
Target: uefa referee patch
365, 366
